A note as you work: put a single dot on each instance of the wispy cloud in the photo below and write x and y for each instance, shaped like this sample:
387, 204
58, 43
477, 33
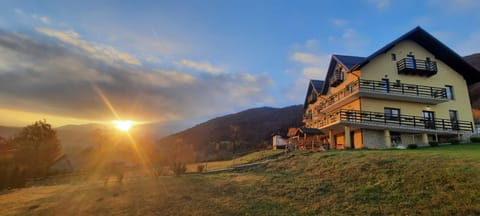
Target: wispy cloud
99, 51
339, 22
380, 4
42, 19
44, 76
351, 40
36, 17
201, 66
310, 65
307, 58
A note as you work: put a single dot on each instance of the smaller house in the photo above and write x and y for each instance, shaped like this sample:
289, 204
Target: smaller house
279, 142
307, 138
61, 165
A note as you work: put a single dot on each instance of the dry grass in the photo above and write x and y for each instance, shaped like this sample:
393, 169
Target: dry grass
249, 158
429, 181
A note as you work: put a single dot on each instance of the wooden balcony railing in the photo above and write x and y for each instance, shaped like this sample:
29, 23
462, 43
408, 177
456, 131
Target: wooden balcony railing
383, 87
404, 88
356, 116
416, 67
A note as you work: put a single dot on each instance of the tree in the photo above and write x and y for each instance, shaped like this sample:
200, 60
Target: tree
235, 129
38, 147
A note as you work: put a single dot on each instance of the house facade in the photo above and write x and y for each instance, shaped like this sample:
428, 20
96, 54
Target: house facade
412, 91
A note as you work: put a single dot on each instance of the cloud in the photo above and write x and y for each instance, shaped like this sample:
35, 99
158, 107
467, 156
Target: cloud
339, 22
39, 18
307, 58
310, 65
99, 51
314, 72
351, 40
42, 19
43, 76
201, 66
380, 4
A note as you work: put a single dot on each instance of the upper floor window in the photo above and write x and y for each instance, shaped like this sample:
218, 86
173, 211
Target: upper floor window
392, 113
394, 56
449, 92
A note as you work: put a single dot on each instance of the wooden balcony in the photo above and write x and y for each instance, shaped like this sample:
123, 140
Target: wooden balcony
407, 123
410, 66
384, 90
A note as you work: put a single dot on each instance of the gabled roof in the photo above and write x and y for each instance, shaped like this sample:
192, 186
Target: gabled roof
346, 61
303, 130
314, 85
317, 84
434, 46
311, 131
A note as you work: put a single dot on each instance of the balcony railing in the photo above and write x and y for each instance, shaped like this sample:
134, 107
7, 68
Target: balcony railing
408, 121
403, 88
418, 92
410, 66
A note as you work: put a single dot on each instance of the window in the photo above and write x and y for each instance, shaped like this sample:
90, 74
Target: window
449, 92
410, 62
392, 113
429, 119
309, 115
453, 119
394, 57
386, 85
395, 138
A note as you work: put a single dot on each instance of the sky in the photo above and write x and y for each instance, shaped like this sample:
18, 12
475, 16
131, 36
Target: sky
179, 63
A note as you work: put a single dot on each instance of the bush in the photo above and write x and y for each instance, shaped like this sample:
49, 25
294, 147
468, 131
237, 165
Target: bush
433, 143
412, 146
200, 168
178, 168
475, 139
454, 141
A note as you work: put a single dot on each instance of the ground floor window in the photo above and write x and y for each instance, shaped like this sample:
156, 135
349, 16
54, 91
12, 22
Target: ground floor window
395, 138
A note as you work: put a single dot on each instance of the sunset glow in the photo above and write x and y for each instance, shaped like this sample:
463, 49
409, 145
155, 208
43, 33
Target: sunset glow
123, 125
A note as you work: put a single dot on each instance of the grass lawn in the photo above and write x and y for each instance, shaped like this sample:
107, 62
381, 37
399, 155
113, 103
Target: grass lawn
427, 181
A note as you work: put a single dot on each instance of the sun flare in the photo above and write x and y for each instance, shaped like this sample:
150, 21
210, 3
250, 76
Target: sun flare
123, 125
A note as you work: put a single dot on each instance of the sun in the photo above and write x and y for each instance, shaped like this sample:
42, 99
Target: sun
123, 125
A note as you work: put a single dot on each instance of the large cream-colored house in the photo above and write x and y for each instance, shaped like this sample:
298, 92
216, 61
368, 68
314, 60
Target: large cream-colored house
413, 90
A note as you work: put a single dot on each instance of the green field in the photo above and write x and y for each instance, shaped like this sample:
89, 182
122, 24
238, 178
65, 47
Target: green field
428, 181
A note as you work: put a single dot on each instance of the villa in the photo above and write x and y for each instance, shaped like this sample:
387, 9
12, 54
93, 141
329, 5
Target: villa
413, 90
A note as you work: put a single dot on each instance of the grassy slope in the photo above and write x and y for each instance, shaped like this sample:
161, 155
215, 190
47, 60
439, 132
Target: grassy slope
441, 181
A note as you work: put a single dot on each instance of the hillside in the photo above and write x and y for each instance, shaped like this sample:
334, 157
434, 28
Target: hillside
428, 181
213, 139
474, 89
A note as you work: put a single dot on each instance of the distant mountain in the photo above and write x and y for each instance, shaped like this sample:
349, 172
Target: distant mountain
213, 139
474, 89
7, 132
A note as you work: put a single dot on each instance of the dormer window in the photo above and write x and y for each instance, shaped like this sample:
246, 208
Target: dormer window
337, 76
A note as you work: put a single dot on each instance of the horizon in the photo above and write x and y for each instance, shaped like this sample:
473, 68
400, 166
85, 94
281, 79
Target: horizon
182, 63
